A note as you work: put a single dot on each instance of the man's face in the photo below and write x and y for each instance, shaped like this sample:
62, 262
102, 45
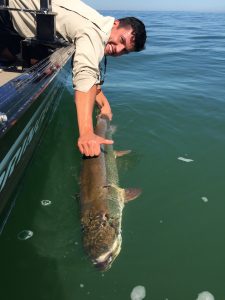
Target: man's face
121, 40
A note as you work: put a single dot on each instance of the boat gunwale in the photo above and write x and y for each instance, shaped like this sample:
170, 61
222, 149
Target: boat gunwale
39, 76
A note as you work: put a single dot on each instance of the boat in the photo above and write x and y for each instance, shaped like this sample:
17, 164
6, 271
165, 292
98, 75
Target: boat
28, 98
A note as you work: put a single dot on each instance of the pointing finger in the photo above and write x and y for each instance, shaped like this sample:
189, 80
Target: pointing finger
107, 142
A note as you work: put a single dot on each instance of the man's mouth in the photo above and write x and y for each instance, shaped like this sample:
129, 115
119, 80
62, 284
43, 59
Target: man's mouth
111, 50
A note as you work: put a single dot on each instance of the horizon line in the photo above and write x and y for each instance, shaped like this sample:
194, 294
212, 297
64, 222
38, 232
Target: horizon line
164, 10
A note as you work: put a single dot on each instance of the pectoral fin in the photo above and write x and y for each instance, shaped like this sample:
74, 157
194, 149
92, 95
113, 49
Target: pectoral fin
131, 194
121, 153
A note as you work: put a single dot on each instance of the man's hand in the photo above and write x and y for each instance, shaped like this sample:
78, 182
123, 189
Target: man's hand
103, 104
89, 144
105, 110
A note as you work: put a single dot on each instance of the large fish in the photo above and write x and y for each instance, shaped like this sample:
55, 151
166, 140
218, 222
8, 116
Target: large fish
102, 202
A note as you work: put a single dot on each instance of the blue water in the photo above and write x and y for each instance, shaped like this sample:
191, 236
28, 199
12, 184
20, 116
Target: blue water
168, 102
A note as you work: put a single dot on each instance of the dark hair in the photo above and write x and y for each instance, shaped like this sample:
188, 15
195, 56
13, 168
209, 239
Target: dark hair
138, 32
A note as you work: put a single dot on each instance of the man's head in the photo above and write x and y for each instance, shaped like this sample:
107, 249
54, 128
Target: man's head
127, 35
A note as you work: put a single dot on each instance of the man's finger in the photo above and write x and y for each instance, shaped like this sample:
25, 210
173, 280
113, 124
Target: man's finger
97, 150
80, 148
86, 150
91, 151
107, 142
102, 115
110, 117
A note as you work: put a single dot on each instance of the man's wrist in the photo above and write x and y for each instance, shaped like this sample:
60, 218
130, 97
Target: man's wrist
86, 131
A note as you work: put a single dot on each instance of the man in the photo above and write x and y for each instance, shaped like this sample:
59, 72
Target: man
93, 36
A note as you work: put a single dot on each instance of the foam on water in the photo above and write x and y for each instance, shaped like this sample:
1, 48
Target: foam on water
185, 159
205, 199
138, 293
205, 296
25, 235
46, 202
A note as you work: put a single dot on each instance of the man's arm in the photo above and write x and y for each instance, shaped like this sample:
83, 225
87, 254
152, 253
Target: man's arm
88, 142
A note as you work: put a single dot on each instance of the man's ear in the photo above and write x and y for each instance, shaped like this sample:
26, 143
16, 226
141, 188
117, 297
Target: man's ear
116, 23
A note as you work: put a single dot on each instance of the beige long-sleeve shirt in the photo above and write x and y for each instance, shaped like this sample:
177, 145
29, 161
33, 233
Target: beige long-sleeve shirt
77, 23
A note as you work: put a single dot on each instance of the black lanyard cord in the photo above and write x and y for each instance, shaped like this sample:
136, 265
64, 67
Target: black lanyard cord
102, 79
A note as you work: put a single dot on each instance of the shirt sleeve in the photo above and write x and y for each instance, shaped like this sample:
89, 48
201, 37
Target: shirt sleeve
89, 52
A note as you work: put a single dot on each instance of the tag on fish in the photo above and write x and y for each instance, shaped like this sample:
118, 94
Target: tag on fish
205, 296
138, 293
185, 159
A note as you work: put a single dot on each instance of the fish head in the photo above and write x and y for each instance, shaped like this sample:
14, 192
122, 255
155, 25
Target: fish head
105, 260
102, 241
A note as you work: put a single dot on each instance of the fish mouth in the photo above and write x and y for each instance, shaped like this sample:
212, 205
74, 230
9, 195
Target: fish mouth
104, 261
104, 265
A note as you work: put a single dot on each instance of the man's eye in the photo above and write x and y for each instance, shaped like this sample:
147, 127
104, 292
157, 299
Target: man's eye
122, 40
